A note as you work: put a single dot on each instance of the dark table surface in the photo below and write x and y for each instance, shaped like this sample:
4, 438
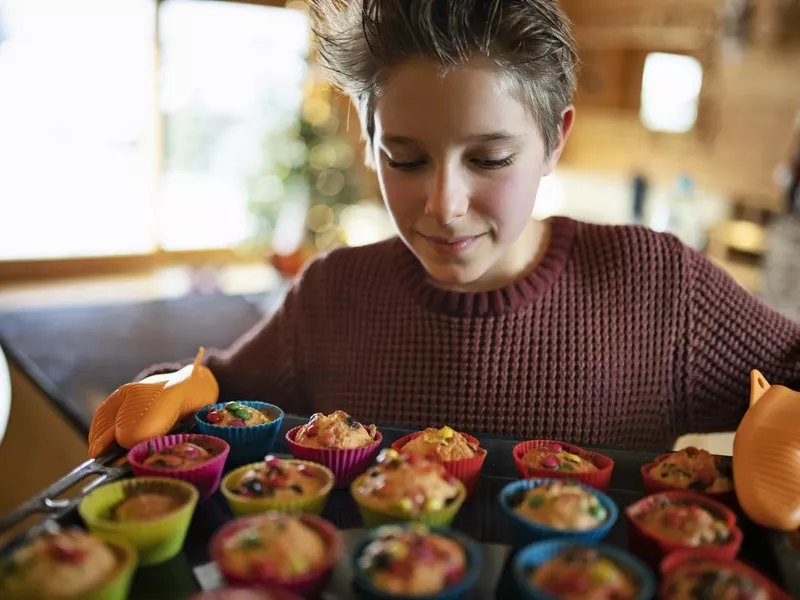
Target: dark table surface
77, 356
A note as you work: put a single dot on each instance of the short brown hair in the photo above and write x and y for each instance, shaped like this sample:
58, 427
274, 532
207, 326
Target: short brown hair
359, 41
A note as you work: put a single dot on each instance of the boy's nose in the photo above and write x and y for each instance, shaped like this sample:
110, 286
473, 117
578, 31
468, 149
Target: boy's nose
448, 198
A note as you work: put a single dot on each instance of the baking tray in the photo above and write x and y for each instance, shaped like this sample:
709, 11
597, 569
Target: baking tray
480, 517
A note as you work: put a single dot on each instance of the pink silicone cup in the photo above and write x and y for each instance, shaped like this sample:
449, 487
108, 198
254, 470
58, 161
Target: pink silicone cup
346, 464
205, 476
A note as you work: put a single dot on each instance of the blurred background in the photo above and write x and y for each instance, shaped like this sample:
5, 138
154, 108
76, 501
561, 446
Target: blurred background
167, 166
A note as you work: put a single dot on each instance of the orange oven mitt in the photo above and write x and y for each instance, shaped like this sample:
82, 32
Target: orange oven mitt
151, 407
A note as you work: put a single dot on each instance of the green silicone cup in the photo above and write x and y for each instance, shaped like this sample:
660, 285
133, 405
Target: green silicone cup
156, 540
241, 505
375, 517
118, 587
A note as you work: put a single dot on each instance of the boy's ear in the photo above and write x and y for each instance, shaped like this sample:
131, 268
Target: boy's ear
567, 121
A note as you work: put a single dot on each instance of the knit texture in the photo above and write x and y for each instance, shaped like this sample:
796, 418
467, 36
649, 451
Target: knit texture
620, 336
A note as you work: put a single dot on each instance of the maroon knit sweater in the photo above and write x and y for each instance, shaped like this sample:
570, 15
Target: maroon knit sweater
620, 336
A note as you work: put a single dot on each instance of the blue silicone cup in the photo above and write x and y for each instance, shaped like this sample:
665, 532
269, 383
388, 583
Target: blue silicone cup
524, 532
454, 592
248, 444
539, 553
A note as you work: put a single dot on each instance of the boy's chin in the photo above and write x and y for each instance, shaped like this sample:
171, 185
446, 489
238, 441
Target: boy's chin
462, 278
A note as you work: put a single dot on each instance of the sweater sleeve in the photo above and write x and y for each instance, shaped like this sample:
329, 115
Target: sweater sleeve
729, 333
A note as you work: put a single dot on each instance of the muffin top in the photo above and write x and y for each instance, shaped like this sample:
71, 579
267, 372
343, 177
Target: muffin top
337, 430
63, 564
412, 561
684, 523
695, 469
578, 573
180, 456
275, 546
555, 458
280, 479
561, 505
709, 580
442, 444
235, 414
144, 506
406, 483
245, 594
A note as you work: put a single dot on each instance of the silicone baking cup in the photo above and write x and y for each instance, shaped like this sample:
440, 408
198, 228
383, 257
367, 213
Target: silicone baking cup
346, 464
309, 585
243, 505
156, 540
653, 485
466, 469
600, 479
458, 590
247, 444
375, 515
537, 554
261, 593
525, 531
653, 548
204, 476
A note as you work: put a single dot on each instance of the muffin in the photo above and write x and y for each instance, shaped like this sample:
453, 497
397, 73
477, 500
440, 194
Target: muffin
236, 414
246, 594
196, 459
287, 486
67, 564
685, 524
539, 509
585, 573
411, 560
338, 442
152, 513
692, 469
695, 576
294, 552
336, 430
558, 460
407, 488
249, 428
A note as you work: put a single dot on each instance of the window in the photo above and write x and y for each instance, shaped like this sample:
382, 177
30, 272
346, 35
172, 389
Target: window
104, 151
670, 92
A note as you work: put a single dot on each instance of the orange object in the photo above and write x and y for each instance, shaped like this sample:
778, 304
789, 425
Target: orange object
145, 409
766, 456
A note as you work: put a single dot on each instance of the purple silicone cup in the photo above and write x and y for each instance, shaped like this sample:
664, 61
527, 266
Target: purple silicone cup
205, 476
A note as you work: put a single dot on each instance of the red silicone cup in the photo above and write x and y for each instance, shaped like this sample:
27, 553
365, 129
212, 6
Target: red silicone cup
653, 548
465, 469
247, 594
346, 464
310, 585
205, 476
685, 559
600, 479
653, 485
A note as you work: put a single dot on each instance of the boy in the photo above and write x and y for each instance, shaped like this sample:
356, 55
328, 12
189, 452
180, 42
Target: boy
476, 315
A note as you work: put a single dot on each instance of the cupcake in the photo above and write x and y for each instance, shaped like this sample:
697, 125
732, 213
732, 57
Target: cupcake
461, 454
557, 460
68, 564
414, 560
568, 571
246, 594
692, 575
694, 470
152, 513
250, 428
670, 521
338, 442
407, 488
288, 486
293, 552
555, 508
197, 459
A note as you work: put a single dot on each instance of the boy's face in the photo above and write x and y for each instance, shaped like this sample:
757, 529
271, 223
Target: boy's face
459, 163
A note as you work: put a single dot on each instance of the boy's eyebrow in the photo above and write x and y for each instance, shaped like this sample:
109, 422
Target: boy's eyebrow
502, 136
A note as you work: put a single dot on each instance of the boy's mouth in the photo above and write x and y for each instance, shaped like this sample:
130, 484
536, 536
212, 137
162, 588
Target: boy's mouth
452, 245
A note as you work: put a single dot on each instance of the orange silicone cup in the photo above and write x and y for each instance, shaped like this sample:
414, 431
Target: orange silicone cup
653, 485
685, 558
600, 479
467, 470
652, 548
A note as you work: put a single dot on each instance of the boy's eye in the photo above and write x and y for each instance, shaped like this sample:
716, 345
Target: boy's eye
484, 163
405, 166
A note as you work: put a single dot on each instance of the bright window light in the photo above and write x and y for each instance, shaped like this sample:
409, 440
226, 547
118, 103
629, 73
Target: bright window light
670, 92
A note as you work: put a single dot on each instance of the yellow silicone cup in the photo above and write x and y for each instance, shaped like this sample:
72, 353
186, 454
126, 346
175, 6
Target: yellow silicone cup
375, 517
156, 540
241, 505
118, 587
